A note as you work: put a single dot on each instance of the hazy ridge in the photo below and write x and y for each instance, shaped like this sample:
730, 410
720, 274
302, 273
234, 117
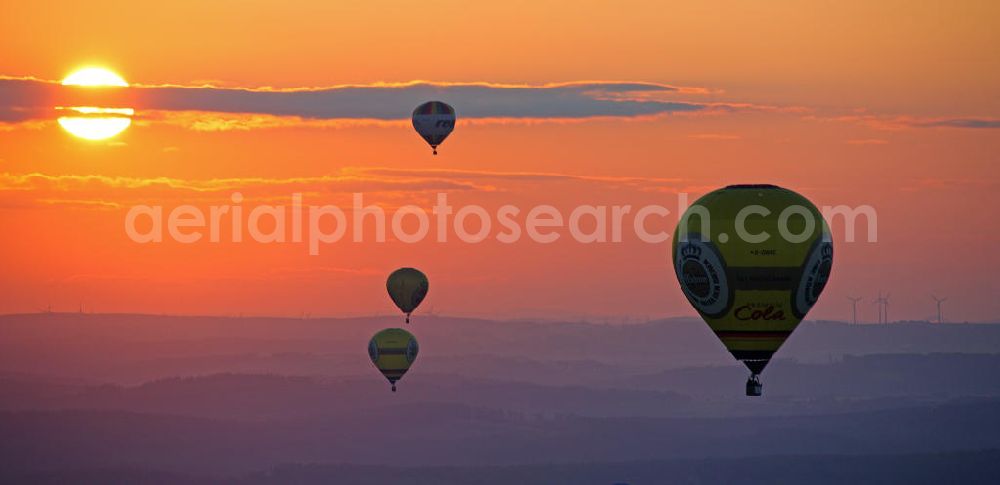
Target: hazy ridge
126, 398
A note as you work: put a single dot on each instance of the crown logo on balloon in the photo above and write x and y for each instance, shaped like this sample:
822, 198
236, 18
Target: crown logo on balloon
691, 251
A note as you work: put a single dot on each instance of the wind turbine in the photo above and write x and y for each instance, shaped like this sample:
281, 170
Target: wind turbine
854, 307
939, 301
883, 307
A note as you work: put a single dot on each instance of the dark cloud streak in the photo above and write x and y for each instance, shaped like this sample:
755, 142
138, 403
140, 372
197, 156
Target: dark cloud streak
24, 99
959, 123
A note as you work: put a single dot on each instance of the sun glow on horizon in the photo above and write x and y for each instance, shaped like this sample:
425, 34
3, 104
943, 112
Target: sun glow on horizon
94, 123
94, 76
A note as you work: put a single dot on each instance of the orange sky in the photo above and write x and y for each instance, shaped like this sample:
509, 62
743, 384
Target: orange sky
888, 105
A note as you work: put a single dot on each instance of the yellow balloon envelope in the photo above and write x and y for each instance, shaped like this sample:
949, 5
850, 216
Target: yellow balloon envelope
752, 260
393, 351
407, 287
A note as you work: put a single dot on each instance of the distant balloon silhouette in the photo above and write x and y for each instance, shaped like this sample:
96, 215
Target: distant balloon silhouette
752, 290
407, 287
393, 351
434, 121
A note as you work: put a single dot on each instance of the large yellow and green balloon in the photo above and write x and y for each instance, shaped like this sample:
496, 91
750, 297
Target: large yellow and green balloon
393, 351
752, 260
407, 287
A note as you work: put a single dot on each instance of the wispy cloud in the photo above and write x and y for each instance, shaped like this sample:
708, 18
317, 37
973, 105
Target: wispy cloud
214, 122
714, 136
30, 101
23, 99
104, 192
488, 174
948, 183
896, 123
480, 177
958, 123
81, 204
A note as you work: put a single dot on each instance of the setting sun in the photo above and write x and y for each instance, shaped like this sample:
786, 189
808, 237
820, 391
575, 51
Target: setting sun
94, 76
90, 122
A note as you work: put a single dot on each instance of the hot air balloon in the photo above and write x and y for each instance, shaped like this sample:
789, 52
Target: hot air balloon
434, 121
407, 287
393, 351
752, 289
